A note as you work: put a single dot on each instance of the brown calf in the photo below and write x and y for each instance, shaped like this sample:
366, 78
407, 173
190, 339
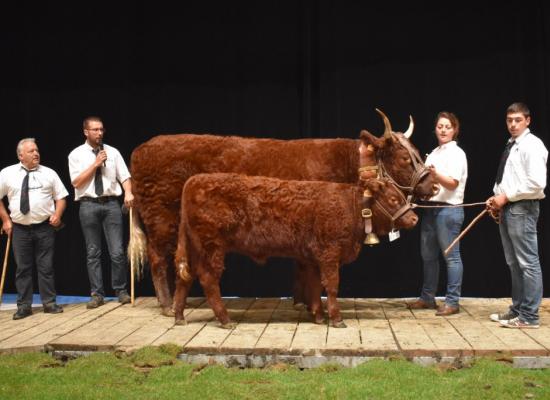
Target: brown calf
316, 223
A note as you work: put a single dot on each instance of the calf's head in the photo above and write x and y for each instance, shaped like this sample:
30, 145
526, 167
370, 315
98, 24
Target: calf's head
400, 161
391, 210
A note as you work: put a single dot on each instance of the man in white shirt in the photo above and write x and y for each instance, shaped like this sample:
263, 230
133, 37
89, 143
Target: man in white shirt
97, 172
520, 183
36, 199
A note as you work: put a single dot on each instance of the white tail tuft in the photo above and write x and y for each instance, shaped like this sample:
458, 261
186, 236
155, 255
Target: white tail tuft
137, 247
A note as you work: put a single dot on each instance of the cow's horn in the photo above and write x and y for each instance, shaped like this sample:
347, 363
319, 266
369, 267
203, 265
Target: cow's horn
387, 125
410, 129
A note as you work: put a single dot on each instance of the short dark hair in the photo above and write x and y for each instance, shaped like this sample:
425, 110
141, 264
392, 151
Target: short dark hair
453, 119
90, 119
518, 108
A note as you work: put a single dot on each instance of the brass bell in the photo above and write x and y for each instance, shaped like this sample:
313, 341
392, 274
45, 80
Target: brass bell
371, 239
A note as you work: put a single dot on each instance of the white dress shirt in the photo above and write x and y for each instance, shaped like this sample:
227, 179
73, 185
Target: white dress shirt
45, 188
114, 171
450, 160
524, 175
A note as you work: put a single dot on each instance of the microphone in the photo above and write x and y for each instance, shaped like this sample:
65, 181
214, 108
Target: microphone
101, 149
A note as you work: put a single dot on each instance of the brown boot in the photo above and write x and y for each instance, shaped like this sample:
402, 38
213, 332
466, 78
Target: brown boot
421, 305
447, 310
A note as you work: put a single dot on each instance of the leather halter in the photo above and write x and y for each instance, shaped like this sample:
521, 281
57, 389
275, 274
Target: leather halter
420, 170
396, 215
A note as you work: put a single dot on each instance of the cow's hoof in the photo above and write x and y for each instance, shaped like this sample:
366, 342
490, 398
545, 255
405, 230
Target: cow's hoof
228, 325
339, 324
181, 322
318, 319
168, 312
299, 306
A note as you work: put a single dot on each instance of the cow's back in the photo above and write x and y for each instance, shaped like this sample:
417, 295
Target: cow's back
161, 166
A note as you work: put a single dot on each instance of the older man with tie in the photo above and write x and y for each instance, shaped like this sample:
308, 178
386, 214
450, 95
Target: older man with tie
97, 173
519, 187
36, 198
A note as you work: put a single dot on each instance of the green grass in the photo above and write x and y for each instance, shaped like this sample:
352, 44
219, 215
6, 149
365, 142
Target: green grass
155, 373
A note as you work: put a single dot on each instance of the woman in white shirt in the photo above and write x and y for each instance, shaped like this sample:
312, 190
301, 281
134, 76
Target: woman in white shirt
440, 226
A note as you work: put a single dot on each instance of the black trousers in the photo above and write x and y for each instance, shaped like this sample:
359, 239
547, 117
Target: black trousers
34, 245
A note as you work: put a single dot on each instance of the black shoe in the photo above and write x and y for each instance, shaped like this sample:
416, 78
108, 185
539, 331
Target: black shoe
95, 301
53, 308
22, 312
123, 297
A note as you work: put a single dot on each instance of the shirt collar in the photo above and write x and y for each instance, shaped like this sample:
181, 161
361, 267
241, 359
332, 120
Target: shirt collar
452, 143
30, 170
521, 137
87, 145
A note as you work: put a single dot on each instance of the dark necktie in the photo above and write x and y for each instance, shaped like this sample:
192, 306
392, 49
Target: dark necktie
98, 181
24, 205
505, 154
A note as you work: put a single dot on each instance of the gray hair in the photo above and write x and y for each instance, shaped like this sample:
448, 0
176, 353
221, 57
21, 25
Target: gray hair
21, 142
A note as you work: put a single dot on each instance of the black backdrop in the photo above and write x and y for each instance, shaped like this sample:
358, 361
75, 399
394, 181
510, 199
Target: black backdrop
283, 69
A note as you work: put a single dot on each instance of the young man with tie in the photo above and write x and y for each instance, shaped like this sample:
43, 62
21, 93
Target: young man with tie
97, 173
519, 186
36, 198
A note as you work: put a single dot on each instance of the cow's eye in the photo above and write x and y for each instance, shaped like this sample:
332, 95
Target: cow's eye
407, 160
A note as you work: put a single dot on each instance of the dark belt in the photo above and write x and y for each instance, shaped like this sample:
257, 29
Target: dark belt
102, 199
45, 222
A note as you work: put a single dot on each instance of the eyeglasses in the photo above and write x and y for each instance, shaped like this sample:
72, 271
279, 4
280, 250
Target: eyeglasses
96, 130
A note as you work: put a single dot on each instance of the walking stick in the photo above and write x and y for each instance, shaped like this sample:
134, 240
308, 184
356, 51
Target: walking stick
132, 297
464, 232
4, 268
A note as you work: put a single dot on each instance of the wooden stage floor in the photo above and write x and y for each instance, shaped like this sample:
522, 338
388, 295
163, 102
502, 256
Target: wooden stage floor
270, 327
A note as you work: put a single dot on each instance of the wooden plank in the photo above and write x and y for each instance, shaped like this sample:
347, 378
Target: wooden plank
369, 309
481, 339
146, 334
212, 336
517, 341
196, 320
376, 338
445, 337
396, 309
51, 328
344, 341
277, 336
253, 323
412, 338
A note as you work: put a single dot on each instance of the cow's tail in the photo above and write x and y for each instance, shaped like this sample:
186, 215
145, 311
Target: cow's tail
137, 247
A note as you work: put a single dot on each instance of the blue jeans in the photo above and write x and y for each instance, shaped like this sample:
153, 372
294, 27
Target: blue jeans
518, 232
438, 228
106, 217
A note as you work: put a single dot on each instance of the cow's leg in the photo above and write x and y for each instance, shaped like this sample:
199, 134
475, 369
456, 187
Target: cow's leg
330, 279
314, 290
209, 277
299, 286
162, 272
180, 298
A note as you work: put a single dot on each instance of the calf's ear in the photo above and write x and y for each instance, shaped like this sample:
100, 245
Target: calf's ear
375, 186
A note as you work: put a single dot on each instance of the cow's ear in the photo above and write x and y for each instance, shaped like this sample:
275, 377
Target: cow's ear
368, 138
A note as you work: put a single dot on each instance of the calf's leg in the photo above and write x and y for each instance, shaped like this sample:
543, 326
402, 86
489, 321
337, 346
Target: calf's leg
330, 280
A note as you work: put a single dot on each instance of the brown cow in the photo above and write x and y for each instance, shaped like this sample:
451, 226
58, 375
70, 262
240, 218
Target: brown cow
161, 166
317, 223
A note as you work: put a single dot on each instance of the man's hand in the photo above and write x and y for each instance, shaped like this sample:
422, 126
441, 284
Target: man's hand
128, 199
55, 221
7, 227
494, 205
